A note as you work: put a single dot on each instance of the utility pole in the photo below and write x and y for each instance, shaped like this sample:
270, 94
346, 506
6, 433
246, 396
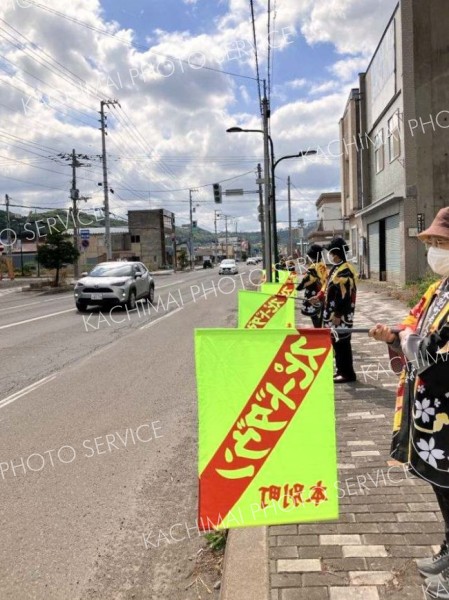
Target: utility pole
74, 194
216, 213
75, 197
191, 229
261, 210
192, 252
266, 168
226, 234
8, 226
290, 237
107, 218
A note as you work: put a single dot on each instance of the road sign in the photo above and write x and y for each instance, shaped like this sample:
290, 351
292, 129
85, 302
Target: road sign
420, 222
85, 243
84, 234
234, 192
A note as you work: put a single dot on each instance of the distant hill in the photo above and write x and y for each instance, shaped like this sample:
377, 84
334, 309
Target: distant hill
53, 214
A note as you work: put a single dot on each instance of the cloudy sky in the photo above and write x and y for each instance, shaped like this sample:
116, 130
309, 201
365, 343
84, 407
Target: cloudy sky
183, 72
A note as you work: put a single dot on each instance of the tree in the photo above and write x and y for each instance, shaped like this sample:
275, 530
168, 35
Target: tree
183, 260
57, 251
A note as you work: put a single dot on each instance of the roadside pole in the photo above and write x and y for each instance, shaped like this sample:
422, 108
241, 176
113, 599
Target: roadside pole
267, 215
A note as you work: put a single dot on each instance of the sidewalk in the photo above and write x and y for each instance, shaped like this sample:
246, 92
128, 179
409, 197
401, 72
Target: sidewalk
387, 518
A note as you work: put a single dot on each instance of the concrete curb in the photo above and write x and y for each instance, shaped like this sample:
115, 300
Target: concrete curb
246, 566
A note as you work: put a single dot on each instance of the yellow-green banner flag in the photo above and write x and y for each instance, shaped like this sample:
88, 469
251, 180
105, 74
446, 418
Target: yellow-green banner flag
267, 452
282, 276
287, 288
257, 311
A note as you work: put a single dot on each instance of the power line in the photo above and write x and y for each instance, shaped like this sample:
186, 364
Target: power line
269, 50
255, 53
133, 44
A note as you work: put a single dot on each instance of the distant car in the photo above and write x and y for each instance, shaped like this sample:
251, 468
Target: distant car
251, 261
207, 263
114, 283
228, 267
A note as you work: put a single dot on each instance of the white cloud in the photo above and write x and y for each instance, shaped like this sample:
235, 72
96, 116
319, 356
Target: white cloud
354, 27
180, 112
297, 83
348, 69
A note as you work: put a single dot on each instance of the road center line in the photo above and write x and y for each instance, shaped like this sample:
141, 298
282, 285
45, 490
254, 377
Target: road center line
160, 287
34, 303
161, 318
26, 390
61, 312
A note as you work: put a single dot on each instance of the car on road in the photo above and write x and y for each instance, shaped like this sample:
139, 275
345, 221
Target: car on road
228, 266
251, 261
114, 283
207, 263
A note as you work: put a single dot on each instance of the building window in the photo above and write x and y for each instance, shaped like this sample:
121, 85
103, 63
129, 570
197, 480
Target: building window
394, 140
379, 151
135, 239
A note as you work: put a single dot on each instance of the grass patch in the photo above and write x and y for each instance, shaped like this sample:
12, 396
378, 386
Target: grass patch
216, 540
416, 289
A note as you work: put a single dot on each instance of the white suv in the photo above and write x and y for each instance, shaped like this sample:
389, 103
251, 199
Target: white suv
114, 283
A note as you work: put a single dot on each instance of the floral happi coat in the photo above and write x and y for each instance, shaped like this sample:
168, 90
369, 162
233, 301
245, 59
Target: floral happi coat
421, 422
312, 283
340, 295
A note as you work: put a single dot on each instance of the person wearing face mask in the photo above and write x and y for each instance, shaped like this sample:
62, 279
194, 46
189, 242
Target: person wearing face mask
339, 298
421, 422
312, 283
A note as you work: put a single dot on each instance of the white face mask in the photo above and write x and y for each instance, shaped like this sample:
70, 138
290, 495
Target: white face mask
335, 260
438, 259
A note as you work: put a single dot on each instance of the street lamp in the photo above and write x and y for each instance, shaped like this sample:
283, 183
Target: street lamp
274, 164
268, 205
273, 167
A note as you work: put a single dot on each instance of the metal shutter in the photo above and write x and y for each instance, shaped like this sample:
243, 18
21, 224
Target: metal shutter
373, 250
393, 248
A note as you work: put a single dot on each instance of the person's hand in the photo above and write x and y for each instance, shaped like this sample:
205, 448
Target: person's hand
314, 300
382, 333
403, 335
336, 321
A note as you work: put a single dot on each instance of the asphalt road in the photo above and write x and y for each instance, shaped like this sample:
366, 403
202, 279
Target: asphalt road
98, 447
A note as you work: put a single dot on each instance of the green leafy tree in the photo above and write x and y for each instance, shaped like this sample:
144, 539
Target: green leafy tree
183, 260
57, 251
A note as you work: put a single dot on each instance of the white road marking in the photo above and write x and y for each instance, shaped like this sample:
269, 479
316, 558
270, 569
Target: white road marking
10, 291
34, 303
26, 390
161, 318
159, 287
61, 312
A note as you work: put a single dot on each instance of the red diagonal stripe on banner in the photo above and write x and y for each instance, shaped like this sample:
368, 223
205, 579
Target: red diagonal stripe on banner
270, 307
255, 433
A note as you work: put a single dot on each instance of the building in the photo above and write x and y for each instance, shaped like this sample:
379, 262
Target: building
93, 249
152, 237
394, 157
329, 219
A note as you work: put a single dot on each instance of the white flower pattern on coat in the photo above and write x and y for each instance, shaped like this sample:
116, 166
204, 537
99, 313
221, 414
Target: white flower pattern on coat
423, 410
429, 453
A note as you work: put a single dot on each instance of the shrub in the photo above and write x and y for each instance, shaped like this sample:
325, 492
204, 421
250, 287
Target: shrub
419, 287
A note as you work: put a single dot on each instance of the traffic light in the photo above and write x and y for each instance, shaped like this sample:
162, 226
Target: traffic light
260, 209
217, 193
194, 224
